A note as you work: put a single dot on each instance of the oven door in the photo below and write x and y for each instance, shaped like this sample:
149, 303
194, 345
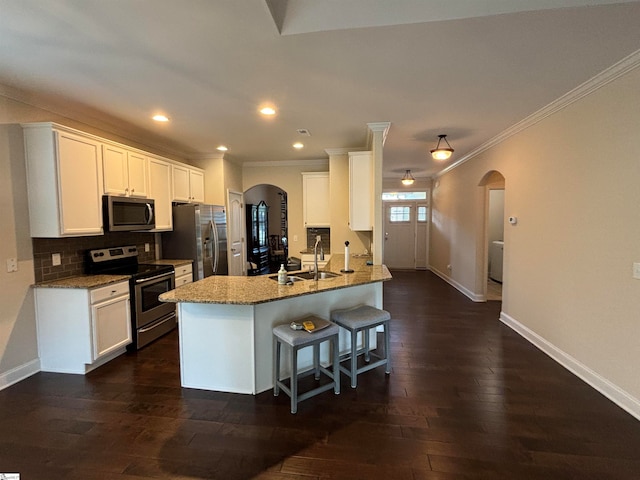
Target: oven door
148, 308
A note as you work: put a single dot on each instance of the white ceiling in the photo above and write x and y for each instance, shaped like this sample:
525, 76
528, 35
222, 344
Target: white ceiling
469, 69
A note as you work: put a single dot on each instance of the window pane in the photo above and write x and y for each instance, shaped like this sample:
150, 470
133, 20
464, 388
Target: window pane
422, 214
399, 214
404, 196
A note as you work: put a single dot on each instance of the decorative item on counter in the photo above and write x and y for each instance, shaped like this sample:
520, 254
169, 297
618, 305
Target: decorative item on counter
282, 275
346, 259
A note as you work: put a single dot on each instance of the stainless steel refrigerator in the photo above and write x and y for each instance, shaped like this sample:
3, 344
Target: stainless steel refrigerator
200, 234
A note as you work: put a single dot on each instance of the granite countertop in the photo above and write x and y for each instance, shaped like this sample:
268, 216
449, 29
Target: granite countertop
168, 261
83, 281
262, 289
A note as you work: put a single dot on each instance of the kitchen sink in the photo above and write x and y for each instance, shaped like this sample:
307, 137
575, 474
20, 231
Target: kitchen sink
300, 276
321, 275
290, 278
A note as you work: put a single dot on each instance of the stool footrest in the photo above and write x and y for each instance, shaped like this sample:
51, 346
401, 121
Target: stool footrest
315, 391
364, 368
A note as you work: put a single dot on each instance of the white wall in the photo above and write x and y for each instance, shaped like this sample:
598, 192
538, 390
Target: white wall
496, 215
572, 181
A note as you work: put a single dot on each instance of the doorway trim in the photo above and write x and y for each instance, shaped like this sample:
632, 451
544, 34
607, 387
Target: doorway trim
492, 180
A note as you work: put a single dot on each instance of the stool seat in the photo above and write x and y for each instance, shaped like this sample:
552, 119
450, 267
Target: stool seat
297, 340
362, 319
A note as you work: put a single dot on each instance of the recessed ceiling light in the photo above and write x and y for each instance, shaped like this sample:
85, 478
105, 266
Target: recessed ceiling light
222, 148
160, 118
268, 111
298, 145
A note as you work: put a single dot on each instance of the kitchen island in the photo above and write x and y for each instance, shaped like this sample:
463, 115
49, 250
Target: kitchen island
226, 322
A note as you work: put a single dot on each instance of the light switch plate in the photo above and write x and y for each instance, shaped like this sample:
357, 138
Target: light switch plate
146, 247
55, 259
636, 270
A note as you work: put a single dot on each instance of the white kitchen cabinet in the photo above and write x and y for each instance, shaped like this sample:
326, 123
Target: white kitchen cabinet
188, 184
64, 181
306, 261
361, 199
124, 172
184, 275
160, 190
315, 199
80, 329
110, 319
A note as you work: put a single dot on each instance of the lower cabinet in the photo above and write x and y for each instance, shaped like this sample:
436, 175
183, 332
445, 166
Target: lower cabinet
306, 261
184, 275
80, 329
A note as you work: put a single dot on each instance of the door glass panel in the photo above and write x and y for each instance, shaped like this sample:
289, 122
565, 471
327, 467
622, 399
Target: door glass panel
399, 214
422, 213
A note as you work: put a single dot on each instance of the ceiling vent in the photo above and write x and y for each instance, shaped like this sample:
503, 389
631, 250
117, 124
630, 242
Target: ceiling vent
304, 131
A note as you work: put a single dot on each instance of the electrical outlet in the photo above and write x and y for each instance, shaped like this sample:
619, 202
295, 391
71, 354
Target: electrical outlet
636, 270
146, 247
12, 265
56, 259
295, 238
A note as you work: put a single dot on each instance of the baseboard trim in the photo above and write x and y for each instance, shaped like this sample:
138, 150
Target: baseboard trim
19, 373
614, 393
461, 288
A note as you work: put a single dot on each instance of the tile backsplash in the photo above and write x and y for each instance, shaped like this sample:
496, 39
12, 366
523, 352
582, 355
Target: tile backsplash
72, 251
325, 235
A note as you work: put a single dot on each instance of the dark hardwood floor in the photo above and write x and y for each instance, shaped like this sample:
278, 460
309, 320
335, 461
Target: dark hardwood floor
467, 399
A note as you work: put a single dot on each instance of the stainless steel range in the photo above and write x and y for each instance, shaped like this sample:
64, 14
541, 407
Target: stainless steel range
150, 317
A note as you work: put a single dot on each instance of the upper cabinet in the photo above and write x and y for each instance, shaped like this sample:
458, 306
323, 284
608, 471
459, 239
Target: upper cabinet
188, 184
124, 172
64, 182
315, 199
361, 191
160, 191
69, 171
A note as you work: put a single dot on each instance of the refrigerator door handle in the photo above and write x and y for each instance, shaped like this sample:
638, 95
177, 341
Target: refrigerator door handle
216, 247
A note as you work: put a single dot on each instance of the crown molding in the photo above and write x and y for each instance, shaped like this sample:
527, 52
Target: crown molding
344, 151
207, 156
377, 127
321, 162
605, 77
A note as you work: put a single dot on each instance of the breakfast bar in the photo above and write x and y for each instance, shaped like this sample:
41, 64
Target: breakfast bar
225, 322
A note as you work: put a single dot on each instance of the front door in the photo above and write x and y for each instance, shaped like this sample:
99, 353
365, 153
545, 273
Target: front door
400, 235
237, 262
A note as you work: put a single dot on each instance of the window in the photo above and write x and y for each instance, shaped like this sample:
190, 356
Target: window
422, 213
404, 196
399, 214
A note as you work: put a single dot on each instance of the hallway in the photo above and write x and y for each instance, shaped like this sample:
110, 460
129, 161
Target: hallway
467, 399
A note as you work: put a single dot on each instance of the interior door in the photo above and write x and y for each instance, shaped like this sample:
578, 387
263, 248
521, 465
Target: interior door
399, 236
235, 231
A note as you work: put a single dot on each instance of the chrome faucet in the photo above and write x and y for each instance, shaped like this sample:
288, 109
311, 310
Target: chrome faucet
315, 256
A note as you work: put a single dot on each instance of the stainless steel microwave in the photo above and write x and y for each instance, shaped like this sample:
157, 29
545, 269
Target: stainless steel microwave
125, 214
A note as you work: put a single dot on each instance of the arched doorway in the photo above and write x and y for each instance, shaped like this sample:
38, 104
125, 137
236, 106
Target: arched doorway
493, 183
266, 210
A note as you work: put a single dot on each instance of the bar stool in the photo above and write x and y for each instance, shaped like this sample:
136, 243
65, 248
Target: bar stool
297, 340
362, 319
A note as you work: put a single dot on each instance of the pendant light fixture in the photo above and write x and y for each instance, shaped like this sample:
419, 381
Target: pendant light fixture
442, 153
408, 178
